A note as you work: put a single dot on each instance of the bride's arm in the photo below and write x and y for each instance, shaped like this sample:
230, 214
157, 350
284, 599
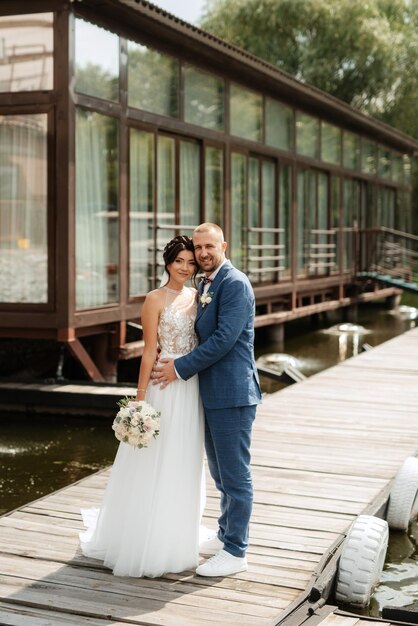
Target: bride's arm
149, 318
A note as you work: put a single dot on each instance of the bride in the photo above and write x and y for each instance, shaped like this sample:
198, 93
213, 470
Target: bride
148, 523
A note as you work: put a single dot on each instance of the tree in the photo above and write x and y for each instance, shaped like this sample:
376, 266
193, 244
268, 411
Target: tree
364, 52
344, 47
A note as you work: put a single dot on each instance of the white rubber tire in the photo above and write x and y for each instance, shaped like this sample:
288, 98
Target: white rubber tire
403, 499
362, 558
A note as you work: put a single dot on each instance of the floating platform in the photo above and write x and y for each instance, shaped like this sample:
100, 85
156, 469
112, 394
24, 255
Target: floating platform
86, 399
324, 451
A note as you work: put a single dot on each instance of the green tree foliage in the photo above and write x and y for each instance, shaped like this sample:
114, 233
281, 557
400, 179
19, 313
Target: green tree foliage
364, 52
345, 47
95, 81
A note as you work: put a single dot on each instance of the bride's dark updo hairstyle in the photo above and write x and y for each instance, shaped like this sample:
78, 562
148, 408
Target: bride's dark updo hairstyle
173, 249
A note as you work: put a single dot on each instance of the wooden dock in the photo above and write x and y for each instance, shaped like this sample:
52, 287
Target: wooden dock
324, 451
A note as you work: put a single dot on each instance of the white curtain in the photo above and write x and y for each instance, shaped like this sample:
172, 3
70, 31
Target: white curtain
166, 190
189, 183
141, 222
23, 209
92, 249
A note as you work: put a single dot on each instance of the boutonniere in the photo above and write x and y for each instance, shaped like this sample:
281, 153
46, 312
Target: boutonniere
206, 298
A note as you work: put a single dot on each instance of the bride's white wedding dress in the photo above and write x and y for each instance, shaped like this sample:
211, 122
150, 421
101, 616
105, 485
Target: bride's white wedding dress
148, 523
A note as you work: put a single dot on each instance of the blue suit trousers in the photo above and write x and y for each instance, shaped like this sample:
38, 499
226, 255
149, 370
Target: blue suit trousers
227, 442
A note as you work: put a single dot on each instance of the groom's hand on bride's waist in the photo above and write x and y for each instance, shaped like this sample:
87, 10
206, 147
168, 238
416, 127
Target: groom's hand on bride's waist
163, 372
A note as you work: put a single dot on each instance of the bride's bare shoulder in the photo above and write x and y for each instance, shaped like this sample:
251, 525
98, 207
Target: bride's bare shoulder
154, 297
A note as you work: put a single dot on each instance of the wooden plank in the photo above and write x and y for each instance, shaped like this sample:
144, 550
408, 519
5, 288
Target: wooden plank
19, 615
115, 605
100, 582
323, 450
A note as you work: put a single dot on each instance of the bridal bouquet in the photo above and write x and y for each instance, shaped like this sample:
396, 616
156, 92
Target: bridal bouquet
136, 422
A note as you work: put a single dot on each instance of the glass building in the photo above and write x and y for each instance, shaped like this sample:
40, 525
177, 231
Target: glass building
114, 139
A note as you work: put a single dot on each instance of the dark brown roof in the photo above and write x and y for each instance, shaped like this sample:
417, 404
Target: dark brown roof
156, 24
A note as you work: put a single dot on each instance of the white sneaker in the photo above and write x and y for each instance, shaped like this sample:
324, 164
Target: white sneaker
211, 546
222, 564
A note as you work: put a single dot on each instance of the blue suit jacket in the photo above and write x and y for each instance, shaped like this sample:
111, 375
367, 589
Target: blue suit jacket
224, 358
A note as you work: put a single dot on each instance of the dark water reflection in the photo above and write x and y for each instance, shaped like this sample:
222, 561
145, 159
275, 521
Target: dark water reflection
41, 454
398, 585
399, 582
316, 348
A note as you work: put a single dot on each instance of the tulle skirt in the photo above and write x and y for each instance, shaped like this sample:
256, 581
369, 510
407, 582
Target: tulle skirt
148, 523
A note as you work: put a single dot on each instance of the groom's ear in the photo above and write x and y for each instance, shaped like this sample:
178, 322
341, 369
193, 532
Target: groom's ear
224, 246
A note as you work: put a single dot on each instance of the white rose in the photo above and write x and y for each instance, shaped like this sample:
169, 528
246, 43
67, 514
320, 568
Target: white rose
132, 404
124, 412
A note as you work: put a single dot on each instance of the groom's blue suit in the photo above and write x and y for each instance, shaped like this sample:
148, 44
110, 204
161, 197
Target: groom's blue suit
230, 391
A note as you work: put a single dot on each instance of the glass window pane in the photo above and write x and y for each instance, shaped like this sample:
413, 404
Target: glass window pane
23, 208
330, 143
153, 80
97, 61
27, 45
285, 208
307, 135
403, 212
253, 217
335, 217
166, 195
246, 113
189, 183
397, 167
302, 224
214, 165
324, 240
322, 201
384, 169
406, 169
238, 206
351, 151
351, 219
312, 214
97, 213
203, 99
370, 207
386, 207
141, 215
279, 125
268, 213
368, 157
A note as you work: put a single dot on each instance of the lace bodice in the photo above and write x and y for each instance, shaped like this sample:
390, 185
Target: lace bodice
176, 334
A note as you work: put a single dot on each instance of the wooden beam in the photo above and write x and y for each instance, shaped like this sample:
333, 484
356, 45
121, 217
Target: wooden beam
79, 352
131, 350
285, 316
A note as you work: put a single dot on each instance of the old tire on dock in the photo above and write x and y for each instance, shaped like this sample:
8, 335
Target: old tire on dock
403, 499
362, 558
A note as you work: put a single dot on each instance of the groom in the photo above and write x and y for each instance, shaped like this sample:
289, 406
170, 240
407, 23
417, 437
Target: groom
230, 392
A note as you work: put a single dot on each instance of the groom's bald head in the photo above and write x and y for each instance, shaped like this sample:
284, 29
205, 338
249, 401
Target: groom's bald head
208, 227
209, 246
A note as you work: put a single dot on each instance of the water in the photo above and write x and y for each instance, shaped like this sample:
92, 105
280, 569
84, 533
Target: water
42, 454
39, 455
315, 349
399, 581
